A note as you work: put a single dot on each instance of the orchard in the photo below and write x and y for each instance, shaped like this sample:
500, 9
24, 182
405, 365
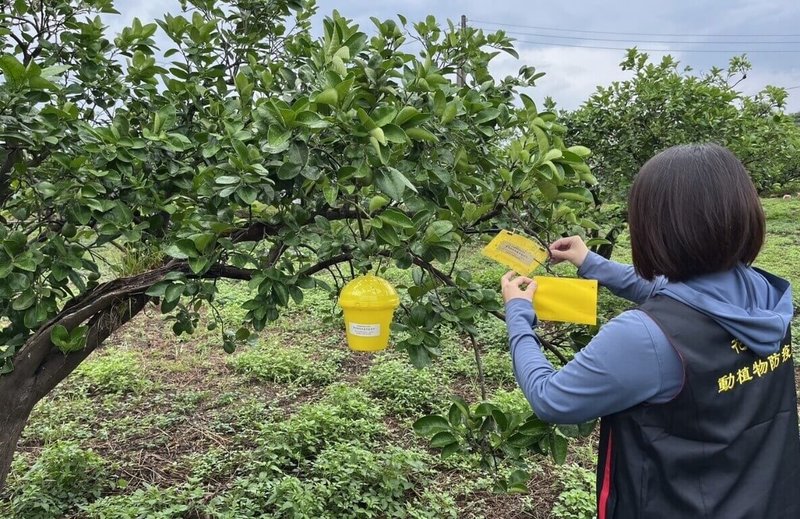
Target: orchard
221, 190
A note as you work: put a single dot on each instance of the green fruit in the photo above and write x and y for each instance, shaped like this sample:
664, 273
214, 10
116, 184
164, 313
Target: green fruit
69, 230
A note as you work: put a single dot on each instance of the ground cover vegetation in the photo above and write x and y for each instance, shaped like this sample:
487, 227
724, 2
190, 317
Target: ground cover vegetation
186, 430
204, 212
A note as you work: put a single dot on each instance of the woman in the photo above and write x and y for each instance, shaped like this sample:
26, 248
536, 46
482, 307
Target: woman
696, 386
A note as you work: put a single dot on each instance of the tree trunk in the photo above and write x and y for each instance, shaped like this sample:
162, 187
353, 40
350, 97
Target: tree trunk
41, 367
16, 403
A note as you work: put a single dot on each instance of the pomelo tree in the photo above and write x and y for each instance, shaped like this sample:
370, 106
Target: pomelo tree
664, 104
250, 150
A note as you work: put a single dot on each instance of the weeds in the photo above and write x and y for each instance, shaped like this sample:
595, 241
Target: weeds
115, 371
63, 478
278, 363
577, 499
404, 389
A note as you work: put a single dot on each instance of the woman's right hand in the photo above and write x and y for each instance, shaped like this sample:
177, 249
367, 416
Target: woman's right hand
570, 249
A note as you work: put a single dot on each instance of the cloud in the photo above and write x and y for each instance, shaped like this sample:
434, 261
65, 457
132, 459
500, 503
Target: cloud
572, 74
757, 79
146, 10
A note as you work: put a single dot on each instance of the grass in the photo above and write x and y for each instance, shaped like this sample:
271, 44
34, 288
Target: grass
294, 425
275, 362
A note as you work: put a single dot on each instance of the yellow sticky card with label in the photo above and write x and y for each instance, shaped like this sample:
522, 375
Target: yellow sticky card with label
566, 300
520, 254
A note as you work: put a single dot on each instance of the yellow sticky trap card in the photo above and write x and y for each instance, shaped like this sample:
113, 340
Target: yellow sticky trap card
520, 254
566, 300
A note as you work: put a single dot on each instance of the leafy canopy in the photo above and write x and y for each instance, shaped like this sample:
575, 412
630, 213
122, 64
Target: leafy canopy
262, 153
662, 105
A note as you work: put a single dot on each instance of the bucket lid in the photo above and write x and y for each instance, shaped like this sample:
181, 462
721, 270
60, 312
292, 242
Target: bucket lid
369, 291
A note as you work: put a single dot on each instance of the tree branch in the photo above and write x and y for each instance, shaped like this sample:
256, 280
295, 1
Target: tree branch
5, 173
57, 365
500, 315
261, 230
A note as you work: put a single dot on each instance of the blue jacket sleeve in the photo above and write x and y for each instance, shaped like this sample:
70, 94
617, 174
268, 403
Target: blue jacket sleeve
628, 362
621, 279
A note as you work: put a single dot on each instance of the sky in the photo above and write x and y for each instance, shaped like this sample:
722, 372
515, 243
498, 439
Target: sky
561, 29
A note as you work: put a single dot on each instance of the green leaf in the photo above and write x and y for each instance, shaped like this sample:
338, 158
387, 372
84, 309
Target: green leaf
203, 241
25, 262
397, 219
173, 292
227, 180
394, 133
548, 189
490, 114
198, 265
500, 419
420, 134
378, 134
330, 192
59, 336
485, 409
365, 119
442, 439
384, 115
405, 114
454, 415
589, 224
569, 430
449, 112
542, 141
158, 289
53, 71
586, 428
534, 427
388, 236
581, 151
558, 448
329, 96
430, 425
578, 194
552, 155
13, 70
517, 481
393, 182
21, 6
174, 251
247, 194
377, 203
449, 450
24, 301
438, 230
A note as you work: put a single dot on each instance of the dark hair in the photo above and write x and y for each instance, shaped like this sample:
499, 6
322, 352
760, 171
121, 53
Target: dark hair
693, 210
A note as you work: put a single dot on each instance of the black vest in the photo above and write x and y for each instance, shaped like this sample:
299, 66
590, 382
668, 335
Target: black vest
726, 447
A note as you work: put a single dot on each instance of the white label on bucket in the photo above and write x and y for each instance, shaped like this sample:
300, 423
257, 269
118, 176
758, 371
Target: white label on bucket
365, 330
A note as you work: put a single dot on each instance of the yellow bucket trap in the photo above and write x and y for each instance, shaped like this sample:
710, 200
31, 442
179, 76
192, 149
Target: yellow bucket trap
368, 303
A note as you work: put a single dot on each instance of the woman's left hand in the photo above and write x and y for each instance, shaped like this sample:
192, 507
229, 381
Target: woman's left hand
512, 287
